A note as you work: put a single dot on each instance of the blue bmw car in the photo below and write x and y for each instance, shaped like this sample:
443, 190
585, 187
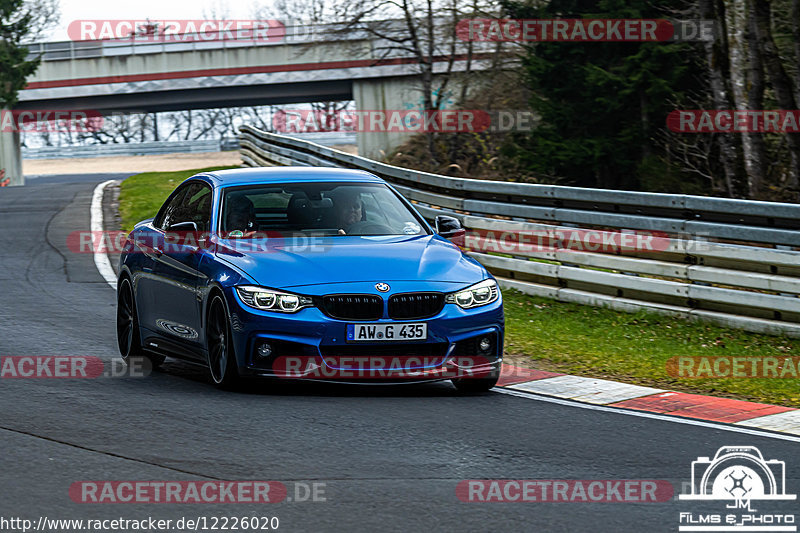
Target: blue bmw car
307, 273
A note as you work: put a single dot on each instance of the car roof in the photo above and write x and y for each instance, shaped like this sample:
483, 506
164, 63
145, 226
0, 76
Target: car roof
258, 175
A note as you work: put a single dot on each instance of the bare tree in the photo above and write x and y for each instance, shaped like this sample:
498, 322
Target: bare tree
747, 83
796, 39
300, 11
229, 120
191, 124
44, 17
425, 31
261, 117
757, 156
311, 13
719, 70
779, 80
207, 121
118, 128
173, 121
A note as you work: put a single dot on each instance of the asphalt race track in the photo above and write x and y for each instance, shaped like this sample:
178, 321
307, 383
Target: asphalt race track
390, 458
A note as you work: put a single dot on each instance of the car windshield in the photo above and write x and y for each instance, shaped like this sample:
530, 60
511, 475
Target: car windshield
318, 208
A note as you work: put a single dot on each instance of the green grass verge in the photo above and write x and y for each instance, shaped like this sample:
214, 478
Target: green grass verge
141, 195
577, 339
634, 348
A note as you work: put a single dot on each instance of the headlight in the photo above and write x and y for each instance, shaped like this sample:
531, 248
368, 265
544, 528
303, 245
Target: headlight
479, 294
269, 300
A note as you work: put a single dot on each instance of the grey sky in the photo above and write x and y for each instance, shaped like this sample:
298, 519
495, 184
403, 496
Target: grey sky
152, 9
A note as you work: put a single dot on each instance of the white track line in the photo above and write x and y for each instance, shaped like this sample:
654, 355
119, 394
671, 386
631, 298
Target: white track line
645, 414
96, 227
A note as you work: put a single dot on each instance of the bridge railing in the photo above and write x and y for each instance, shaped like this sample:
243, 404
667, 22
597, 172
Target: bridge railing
294, 34
732, 262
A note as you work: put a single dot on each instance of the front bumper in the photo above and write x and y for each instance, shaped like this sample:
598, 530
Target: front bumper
311, 345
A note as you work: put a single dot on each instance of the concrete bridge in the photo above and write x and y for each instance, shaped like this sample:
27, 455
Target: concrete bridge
309, 64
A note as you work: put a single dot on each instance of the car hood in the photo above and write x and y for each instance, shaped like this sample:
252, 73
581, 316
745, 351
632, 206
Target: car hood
287, 263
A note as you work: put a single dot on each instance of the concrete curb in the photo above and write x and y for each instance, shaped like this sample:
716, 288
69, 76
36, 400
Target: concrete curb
665, 402
97, 227
111, 220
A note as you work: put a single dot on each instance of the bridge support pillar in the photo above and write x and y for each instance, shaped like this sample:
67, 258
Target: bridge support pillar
401, 94
10, 157
384, 94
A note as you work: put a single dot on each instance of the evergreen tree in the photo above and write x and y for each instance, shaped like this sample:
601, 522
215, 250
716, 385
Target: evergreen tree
602, 104
14, 65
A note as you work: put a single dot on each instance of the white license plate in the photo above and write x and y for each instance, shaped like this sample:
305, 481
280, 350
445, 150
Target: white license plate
386, 332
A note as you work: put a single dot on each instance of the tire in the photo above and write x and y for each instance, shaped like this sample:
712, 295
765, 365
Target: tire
128, 335
221, 358
477, 385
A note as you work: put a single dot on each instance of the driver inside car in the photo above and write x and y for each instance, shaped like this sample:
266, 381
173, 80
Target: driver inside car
241, 218
349, 211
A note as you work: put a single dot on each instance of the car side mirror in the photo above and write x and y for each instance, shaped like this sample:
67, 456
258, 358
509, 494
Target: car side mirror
450, 228
186, 234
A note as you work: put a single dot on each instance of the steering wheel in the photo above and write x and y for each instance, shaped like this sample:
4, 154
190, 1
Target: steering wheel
363, 227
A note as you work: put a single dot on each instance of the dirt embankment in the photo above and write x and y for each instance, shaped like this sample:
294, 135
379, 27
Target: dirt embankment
140, 163
133, 164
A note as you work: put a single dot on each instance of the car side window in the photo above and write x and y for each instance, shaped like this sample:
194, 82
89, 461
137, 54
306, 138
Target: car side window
198, 207
165, 217
193, 204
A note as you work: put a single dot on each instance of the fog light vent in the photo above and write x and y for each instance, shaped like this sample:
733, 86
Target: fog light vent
265, 350
485, 344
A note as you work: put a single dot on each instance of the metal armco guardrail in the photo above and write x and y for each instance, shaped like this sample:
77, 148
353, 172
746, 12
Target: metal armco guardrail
732, 262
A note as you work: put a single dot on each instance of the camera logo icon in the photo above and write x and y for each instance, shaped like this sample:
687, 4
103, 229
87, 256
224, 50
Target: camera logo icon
738, 473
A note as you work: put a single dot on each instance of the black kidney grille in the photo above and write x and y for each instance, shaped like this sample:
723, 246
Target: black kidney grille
353, 306
415, 305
